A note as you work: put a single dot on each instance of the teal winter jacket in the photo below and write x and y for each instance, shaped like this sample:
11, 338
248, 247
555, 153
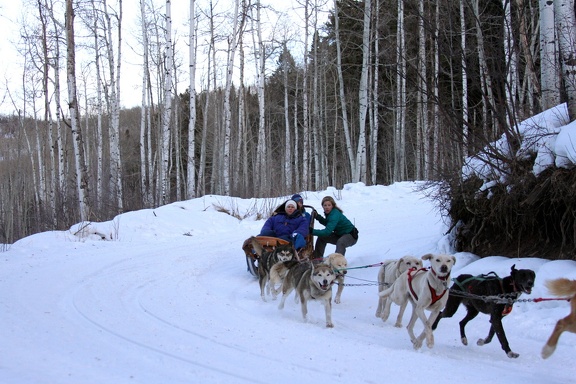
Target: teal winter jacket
334, 222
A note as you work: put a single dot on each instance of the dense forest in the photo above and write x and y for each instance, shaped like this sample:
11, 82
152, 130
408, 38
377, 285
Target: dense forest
385, 91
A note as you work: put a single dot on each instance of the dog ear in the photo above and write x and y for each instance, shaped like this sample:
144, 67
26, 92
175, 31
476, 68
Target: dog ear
427, 256
399, 263
513, 269
453, 260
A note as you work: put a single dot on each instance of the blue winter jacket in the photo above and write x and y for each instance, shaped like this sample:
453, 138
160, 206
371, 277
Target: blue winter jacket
284, 225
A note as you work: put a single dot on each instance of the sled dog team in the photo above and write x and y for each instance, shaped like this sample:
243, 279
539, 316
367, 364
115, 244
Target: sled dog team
406, 281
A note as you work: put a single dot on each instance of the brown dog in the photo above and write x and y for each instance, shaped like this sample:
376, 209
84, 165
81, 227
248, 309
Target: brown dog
561, 287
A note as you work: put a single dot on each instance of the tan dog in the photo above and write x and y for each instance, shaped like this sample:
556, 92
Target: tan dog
387, 275
426, 289
339, 264
567, 288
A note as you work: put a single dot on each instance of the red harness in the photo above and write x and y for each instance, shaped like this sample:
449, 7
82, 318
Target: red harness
435, 297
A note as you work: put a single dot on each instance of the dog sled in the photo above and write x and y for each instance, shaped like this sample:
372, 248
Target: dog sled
270, 242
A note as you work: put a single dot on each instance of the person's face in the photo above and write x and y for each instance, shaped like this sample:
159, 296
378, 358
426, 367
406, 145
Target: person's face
300, 203
290, 209
327, 205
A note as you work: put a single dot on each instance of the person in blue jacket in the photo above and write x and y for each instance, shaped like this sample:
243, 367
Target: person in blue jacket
289, 225
338, 229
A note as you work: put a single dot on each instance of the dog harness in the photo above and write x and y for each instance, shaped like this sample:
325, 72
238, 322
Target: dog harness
435, 297
488, 276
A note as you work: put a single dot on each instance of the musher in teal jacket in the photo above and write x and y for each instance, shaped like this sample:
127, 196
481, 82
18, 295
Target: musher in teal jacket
338, 229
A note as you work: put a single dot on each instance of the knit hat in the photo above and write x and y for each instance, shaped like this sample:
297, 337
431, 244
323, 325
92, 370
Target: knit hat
297, 198
292, 203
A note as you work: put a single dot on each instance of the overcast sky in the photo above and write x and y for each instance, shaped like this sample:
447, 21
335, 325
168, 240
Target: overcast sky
11, 21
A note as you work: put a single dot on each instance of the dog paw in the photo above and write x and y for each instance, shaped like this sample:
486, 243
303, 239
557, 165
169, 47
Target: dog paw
398, 325
329, 325
464, 341
512, 355
481, 342
337, 300
417, 343
547, 351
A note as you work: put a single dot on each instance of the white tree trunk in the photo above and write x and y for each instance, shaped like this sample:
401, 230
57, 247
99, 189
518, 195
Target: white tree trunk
261, 153
167, 112
464, 73
232, 44
114, 102
422, 146
305, 182
191, 167
360, 169
566, 28
147, 201
287, 133
485, 78
436, 161
511, 57
549, 66
400, 121
81, 174
341, 89
374, 129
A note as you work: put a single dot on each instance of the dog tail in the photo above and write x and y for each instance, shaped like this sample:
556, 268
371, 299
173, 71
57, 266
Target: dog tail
562, 287
258, 248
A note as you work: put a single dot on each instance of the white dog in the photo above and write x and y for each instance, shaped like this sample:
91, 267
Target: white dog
387, 275
427, 289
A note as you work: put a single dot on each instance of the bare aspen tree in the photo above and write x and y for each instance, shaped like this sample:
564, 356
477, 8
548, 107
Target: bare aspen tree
114, 65
262, 163
531, 86
511, 57
565, 22
287, 134
375, 121
211, 79
99, 150
484, 74
422, 146
61, 170
400, 109
305, 177
436, 124
342, 92
464, 81
238, 25
316, 110
145, 190
549, 68
167, 112
359, 173
241, 153
80, 167
191, 166
45, 193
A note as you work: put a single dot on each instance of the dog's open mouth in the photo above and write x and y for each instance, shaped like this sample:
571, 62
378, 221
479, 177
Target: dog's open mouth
324, 285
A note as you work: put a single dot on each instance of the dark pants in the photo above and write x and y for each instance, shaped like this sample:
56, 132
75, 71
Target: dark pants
342, 242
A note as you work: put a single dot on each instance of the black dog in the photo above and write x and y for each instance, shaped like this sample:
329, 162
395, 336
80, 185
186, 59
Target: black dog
491, 295
266, 259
